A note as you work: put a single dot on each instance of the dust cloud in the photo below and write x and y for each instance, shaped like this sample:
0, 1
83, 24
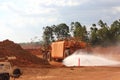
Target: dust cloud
81, 58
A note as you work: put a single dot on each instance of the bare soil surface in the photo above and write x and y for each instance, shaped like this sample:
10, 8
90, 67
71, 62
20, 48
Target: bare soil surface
59, 72
71, 73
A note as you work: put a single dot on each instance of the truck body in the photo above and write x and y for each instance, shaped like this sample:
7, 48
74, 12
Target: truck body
57, 49
62, 49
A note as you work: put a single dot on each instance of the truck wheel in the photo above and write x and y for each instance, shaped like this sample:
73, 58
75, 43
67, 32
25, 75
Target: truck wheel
17, 73
5, 77
0, 77
49, 56
66, 53
44, 56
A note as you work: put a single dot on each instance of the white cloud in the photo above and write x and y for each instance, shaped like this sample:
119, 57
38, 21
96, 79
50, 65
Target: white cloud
21, 16
117, 8
5, 32
39, 6
57, 2
25, 17
15, 9
28, 9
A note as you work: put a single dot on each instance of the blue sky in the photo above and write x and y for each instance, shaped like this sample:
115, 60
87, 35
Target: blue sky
23, 20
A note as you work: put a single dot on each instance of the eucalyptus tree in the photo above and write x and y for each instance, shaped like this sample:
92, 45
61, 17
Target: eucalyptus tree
115, 31
103, 32
61, 31
94, 39
79, 31
47, 35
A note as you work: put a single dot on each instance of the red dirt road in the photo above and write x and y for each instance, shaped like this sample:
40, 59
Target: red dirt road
62, 73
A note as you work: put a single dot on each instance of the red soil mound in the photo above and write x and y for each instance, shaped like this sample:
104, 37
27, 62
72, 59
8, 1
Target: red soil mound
35, 51
23, 57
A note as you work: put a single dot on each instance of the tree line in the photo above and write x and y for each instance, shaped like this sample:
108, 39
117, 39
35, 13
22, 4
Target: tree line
99, 34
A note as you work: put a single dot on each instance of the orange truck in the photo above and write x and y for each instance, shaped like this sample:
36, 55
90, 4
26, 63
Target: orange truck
61, 49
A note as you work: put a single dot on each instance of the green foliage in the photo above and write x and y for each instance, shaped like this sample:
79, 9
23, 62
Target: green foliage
115, 31
79, 31
61, 31
105, 35
100, 34
47, 35
94, 39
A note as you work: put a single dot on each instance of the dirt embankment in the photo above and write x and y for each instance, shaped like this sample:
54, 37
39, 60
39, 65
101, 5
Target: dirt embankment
23, 57
35, 51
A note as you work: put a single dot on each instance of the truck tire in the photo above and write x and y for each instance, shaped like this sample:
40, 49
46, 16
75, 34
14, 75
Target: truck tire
5, 76
0, 77
44, 56
66, 53
49, 56
17, 73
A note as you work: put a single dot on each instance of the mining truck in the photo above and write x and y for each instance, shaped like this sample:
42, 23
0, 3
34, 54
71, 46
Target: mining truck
61, 49
7, 70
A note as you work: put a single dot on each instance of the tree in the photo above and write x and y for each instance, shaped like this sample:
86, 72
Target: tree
101, 23
61, 31
103, 32
79, 31
115, 31
48, 35
94, 39
104, 35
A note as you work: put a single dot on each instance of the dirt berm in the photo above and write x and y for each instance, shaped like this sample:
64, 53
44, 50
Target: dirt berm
23, 57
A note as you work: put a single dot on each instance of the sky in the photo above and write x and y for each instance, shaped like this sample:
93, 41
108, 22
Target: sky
23, 20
